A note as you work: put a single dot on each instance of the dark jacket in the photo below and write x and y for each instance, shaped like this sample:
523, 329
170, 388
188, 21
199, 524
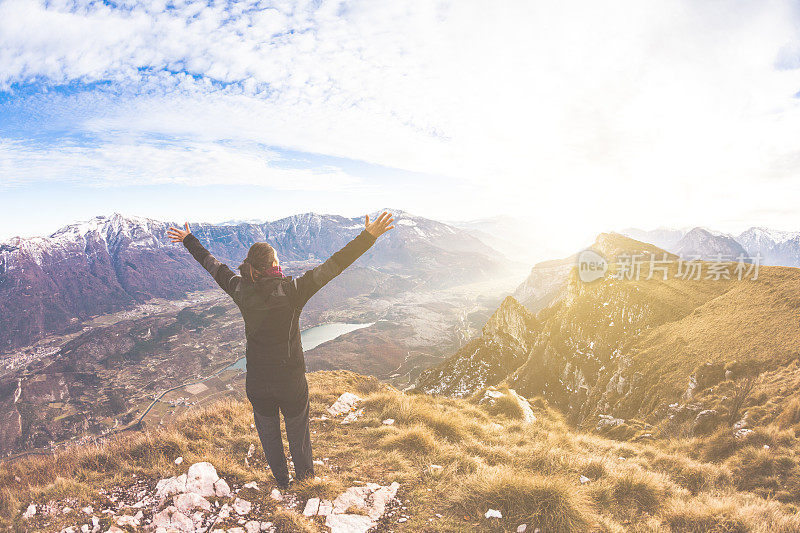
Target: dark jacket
271, 309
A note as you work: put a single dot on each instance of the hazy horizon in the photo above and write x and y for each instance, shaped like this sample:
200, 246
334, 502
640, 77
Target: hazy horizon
575, 118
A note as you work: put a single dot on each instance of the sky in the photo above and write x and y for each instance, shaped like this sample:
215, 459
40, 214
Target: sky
575, 117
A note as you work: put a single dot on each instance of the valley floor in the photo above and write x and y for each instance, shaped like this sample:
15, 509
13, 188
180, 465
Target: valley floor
454, 460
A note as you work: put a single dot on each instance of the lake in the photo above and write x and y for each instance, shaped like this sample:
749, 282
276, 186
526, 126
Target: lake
313, 337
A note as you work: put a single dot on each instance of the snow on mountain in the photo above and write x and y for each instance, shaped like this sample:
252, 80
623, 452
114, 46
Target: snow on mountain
704, 244
775, 247
50, 284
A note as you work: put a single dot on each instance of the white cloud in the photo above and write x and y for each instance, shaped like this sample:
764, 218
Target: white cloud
625, 111
146, 162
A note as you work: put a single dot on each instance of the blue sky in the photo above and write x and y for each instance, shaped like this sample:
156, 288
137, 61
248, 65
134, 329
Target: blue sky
577, 117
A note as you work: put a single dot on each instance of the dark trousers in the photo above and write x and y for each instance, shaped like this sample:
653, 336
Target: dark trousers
268, 424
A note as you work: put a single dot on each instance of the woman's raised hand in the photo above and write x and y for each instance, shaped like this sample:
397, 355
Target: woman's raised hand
177, 235
380, 225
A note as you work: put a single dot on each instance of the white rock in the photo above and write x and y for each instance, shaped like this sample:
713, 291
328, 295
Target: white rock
85, 528
522, 528
29, 512
584, 480
189, 501
435, 469
325, 508
201, 478
493, 513
88, 509
318, 462
766, 446
222, 489
236, 530
388, 422
312, 507
169, 486
276, 495
252, 526
66, 510
179, 460
344, 404
242, 507
351, 417
171, 519
402, 519
380, 498
224, 512
69, 529
348, 523
252, 485
127, 520
266, 526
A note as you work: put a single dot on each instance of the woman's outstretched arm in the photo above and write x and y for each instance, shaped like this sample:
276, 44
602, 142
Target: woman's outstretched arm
222, 274
309, 283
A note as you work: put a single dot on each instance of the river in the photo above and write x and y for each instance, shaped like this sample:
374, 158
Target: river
313, 337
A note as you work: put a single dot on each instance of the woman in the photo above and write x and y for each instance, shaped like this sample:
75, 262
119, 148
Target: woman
270, 304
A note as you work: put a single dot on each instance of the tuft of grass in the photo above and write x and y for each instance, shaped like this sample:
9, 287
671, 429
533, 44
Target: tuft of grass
323, 488
551, 504
638, 490
8, 502
705, 517
692, 475
417, 439
719, 446
790, 415
288, 521
506, 406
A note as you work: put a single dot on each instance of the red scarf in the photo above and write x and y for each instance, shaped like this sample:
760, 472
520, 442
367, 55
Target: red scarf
274, 272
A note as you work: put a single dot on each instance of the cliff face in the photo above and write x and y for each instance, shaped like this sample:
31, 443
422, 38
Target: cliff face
503, 345
631, 348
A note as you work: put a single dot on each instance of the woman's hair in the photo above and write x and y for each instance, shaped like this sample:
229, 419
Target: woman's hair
259, 260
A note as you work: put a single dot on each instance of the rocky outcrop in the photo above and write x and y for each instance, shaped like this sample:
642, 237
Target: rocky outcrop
503, 346
200, 500
370, 500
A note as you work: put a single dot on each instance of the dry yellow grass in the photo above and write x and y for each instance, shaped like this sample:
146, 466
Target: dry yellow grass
530, 472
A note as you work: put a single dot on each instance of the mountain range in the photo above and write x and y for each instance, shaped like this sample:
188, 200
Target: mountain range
775, 247
638, 349
51, 284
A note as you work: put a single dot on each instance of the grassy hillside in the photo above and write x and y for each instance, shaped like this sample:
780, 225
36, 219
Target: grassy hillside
489, 458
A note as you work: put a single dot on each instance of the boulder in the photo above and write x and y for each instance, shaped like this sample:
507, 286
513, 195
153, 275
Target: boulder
349, 523
222, 489
172, 519
242, 507
352, 416
29, 512
344, 404
371, 500
189, 501
169, 486
201, 479
312, 507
